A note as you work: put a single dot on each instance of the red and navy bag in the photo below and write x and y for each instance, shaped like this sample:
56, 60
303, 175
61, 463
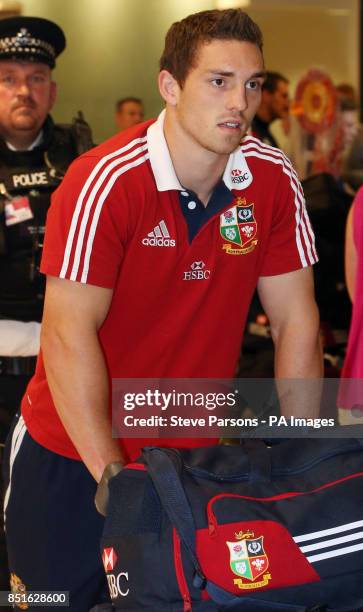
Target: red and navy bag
247, 528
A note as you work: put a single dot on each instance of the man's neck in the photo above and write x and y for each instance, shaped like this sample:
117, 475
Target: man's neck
197, 169
23, 142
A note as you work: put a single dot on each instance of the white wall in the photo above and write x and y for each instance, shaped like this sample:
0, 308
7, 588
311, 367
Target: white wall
301, 35
114, 46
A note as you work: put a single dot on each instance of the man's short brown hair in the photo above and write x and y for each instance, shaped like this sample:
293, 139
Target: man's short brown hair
184, 37
120, 103
272, 81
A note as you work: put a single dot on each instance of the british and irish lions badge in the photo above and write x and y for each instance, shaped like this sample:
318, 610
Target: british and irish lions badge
239, 227
249, 561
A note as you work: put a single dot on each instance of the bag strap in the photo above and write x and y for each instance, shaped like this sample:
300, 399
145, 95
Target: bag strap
172, 496
166, 480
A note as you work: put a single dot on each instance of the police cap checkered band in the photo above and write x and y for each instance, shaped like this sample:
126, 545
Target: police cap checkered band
31, 39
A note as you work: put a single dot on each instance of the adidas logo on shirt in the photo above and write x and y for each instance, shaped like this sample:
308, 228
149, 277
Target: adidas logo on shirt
159, 236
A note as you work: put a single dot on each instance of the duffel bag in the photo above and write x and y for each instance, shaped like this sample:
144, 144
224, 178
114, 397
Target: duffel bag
261, 526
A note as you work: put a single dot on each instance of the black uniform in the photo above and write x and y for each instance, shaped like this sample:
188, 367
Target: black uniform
261, 130
27, 180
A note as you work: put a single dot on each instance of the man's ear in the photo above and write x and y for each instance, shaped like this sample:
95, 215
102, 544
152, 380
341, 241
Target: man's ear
169, 87
52, 94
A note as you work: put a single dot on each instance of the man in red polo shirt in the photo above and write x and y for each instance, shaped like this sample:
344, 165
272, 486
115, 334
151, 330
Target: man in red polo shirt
131, 222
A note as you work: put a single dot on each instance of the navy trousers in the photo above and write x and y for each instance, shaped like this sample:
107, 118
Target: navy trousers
52, 528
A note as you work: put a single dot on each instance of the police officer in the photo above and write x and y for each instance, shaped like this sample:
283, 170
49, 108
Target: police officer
34, 155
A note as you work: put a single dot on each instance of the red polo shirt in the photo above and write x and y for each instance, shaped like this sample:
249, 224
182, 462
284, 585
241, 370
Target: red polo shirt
183, 275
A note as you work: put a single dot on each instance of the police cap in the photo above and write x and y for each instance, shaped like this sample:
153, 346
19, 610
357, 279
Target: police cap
31, 39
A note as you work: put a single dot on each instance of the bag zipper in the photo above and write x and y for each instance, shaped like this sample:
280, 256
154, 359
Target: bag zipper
212, 520
277, 472
135, 466
180, 576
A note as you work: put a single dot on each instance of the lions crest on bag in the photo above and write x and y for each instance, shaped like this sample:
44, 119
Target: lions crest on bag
248, 560
238, 225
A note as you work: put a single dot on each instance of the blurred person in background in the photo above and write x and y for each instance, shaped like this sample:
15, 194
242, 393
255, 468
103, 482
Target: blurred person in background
274, 105
346, 91
350, 167
129, 112
352, 159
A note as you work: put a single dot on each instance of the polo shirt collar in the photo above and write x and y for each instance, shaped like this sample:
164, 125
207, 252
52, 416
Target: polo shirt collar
237, 174
160, 159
